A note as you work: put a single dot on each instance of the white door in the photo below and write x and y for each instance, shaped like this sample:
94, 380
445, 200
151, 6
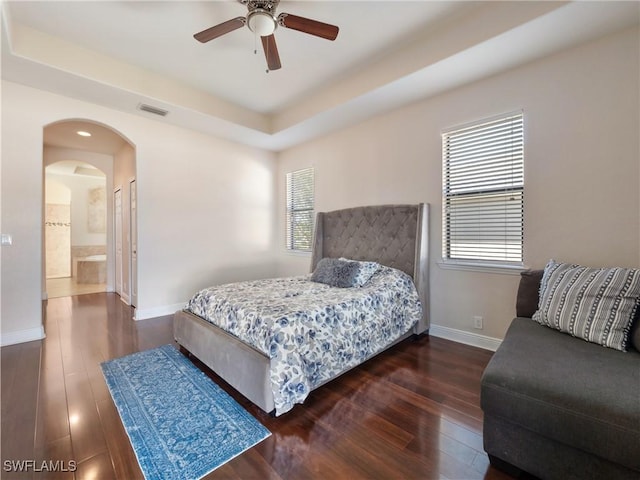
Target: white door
134, 242
117, 228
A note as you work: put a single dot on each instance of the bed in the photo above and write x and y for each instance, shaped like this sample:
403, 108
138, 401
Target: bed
393, 236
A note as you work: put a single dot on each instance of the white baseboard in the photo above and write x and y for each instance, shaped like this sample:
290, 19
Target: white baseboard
125, 299
468, 338
21, 336
143, 314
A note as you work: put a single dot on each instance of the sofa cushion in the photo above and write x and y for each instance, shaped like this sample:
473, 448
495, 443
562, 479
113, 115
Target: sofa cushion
634, 334
568, 390
528, 293
595, 304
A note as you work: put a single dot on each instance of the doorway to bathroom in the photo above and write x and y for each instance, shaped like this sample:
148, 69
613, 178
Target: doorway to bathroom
84, 162
75, 229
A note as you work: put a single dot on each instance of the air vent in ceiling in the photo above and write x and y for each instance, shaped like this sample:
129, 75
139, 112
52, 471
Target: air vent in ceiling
155, 110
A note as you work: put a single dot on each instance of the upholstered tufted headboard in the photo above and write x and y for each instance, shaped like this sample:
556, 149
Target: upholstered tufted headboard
393, 235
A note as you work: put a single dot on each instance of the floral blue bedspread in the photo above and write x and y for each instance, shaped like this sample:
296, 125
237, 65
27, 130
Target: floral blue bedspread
310, 331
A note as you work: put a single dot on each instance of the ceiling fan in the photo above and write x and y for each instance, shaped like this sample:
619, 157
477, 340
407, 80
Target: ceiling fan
261, 19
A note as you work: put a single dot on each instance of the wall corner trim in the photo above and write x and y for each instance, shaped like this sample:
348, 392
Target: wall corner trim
468, 338
22, 336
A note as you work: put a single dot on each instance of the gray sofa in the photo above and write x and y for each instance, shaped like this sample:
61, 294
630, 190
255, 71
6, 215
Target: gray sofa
558, 407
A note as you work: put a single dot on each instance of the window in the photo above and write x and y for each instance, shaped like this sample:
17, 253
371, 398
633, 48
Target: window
483, 189
300, 214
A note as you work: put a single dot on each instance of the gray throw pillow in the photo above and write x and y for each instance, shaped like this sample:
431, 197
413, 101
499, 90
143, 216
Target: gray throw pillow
366, 270
336, 272
595, 304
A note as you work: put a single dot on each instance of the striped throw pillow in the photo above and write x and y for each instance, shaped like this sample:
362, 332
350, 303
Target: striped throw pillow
595, 304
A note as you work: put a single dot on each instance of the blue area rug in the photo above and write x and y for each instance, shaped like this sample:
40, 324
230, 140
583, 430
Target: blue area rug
180, 423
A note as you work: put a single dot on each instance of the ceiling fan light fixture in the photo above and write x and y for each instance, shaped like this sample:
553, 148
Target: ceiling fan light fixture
261, 19
261, 22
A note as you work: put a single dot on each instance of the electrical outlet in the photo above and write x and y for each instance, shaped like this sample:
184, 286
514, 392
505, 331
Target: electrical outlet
477, 322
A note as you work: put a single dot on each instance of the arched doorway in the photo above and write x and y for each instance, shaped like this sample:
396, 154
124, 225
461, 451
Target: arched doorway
100, 160
75, 229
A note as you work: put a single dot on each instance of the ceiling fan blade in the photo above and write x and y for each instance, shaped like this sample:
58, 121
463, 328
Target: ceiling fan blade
306, 25
271, 52
219, 30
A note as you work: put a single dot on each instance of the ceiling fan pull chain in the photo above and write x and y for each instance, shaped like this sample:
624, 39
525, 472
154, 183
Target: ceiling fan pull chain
267, 70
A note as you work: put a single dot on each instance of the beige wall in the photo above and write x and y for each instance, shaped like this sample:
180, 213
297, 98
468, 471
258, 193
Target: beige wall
582, 158
205, 213
57, 192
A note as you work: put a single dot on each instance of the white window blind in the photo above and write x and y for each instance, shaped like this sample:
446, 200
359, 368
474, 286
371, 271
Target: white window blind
300, 214
483, 183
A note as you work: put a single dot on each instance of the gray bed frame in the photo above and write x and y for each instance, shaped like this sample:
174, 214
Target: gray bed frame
393, 235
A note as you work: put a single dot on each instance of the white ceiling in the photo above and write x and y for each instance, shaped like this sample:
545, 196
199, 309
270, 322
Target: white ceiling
388, 53
158, 36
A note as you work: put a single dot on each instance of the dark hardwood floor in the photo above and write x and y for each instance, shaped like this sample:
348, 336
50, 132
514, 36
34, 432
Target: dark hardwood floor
411, 412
